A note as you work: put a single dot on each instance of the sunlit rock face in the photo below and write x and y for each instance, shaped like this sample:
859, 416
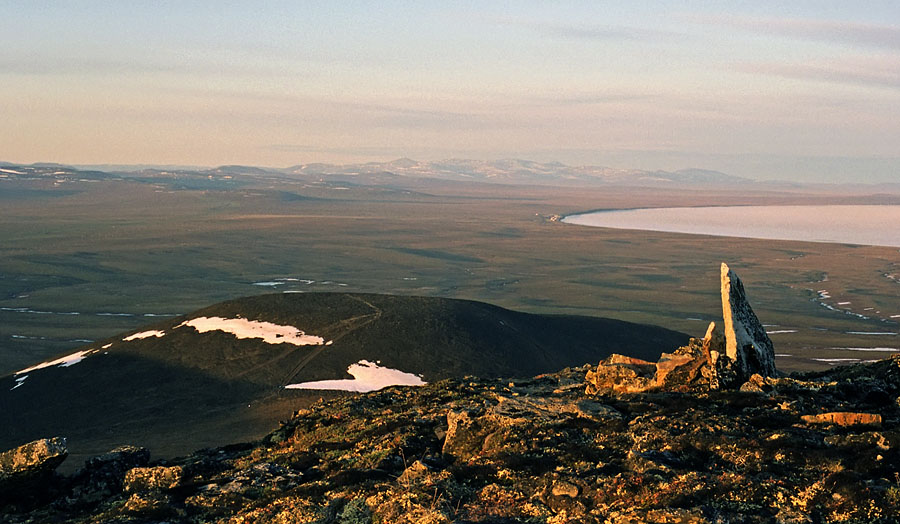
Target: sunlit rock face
25, 471
718, 361
746, 343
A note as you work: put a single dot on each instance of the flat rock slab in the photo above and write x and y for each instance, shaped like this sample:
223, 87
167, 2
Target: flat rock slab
844, 418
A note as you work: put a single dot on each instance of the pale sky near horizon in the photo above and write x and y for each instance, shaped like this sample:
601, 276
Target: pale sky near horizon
803, 90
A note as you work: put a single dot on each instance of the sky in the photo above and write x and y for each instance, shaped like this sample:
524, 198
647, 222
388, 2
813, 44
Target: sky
790, 90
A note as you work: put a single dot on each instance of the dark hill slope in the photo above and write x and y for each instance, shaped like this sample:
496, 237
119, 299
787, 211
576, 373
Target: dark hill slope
187, 389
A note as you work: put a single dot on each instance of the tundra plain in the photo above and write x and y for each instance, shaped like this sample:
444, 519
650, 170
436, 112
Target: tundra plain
86, 258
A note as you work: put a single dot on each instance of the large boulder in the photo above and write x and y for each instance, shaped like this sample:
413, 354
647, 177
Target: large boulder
102, 476
620, 374
25, 470
747, 346
152, 479
685, 369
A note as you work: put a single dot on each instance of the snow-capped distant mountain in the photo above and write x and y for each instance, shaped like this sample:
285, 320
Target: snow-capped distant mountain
507, 171
516, 171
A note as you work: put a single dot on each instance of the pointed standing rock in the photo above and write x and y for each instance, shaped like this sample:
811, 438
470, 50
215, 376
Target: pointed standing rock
746, 343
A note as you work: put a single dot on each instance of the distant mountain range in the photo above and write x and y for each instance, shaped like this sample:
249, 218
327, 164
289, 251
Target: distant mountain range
514, 171
405, 171
511, 171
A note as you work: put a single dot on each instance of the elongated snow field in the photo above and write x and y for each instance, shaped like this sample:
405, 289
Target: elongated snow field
243, 328
144, 334
65, 361
367, 376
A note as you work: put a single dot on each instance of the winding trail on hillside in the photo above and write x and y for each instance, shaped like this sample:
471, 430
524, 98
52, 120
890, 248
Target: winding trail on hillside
343, 328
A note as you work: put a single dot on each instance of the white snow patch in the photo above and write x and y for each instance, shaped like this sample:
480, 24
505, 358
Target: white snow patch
66, 361
145, 334
13, 171
367, 376
267, 283
843, 303
832, 360
19, 382
106, 346
895, 316
783, 355
243, 328
870, 333
779, 331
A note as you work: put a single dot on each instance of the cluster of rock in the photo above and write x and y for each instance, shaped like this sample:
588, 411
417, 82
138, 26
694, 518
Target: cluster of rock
671, 441
819, 447
742, 356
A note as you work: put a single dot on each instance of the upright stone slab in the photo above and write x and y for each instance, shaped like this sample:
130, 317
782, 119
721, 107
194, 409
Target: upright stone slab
746, 343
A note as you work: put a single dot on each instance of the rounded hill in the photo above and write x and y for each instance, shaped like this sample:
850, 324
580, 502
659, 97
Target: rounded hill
231, 371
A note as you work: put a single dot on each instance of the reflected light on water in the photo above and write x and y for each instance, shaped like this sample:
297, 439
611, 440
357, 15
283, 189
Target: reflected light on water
847, 224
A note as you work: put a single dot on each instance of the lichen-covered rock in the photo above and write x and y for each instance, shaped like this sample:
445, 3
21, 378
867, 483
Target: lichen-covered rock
747, 345
756, 384
156, 478
149, 504
469, 436
121, 459
562, 488
865, 440
38, 456
620, 374
24, 469
102, 475
844, 418
684, 369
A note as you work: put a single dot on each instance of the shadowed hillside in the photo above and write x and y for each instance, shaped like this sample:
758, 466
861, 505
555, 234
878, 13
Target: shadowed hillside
172, 388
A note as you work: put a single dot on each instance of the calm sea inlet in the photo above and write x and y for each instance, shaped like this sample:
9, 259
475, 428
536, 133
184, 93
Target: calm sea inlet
844, 224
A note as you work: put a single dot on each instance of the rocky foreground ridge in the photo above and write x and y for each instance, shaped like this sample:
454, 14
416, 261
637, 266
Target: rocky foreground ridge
704, 435
820, 447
